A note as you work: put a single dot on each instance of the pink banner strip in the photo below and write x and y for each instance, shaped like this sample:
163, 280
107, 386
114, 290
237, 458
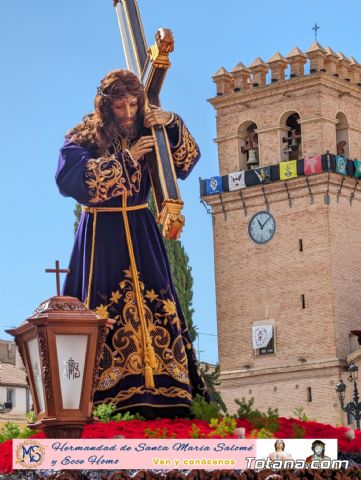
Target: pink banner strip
143, 454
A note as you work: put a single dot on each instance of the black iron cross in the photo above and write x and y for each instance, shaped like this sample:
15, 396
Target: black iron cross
151, 64
57, 270
315, 28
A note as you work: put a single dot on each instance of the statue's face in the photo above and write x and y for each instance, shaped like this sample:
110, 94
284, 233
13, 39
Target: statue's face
125, 113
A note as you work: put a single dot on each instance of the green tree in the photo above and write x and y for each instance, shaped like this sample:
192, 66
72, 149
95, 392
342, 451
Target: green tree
77, 213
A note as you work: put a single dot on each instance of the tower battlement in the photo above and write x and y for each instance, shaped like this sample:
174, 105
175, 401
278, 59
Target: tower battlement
296, 64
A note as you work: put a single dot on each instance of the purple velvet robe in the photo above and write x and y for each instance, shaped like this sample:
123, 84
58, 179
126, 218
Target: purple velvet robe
103, 182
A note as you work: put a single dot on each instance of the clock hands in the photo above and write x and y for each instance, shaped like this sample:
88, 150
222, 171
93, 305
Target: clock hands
262, 224
265, 222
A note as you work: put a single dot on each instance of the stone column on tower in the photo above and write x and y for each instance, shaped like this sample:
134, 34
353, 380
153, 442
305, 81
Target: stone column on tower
224, 81
278, 64
316, 53
331, 62
355, 71
259, 70
241, 77
343, 67
297, 59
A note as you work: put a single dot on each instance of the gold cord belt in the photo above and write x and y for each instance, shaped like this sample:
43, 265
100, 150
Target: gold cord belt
149, 355
113, 209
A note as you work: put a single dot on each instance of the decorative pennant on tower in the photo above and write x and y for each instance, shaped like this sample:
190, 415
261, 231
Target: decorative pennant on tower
288, 170
151, 65
312, 165
263, 174
236, 180
357, 165
341, 164
214, 185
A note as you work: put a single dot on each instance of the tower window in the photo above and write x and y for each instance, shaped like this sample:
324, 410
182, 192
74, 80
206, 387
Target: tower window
250, 149
292, 149
300, 245
309, 394
303, 301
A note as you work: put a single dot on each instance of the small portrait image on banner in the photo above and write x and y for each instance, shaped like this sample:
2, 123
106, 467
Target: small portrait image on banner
263, 339
288, 170
236, 180
341, 164
214, 185
312, 165
298, 453
357, 165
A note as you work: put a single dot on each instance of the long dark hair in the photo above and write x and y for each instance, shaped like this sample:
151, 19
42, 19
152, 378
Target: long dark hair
97, 129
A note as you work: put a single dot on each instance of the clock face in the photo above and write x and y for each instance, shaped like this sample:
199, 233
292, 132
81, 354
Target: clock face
262, 227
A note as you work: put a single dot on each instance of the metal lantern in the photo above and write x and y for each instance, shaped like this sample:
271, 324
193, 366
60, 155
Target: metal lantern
353, 408
60, 345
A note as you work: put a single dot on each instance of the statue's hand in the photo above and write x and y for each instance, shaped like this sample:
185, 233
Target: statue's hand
142, 146
156, 116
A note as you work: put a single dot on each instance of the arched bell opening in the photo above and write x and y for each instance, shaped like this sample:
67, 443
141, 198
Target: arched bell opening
342, 136
248, 146
291, 141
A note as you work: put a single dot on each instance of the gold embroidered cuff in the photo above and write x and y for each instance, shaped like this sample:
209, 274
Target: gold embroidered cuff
186, 152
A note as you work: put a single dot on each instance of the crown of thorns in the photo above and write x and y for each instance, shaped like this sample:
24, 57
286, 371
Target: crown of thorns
106, 95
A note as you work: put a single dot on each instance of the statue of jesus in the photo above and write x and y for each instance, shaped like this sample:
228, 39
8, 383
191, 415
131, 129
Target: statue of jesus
119, 267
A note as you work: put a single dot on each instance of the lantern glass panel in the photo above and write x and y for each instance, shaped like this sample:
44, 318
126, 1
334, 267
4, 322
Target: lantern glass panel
71, 351
33, 348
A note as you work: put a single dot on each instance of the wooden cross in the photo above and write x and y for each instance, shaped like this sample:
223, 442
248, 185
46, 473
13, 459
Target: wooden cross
151, 64
57, 270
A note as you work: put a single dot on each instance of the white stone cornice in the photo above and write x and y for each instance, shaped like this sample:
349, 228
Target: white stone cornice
285, 369
271, 129
228, 137
354, 128
317, 118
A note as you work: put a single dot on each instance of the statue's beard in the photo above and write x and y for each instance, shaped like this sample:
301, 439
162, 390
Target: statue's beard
129, 130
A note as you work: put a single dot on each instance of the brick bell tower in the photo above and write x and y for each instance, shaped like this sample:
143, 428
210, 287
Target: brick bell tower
288, 282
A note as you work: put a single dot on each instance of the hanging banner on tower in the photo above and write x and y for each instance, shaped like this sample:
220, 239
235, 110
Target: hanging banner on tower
341, 164
263, 174
214, 185
288, 170
357, 165
312, 165
236, 180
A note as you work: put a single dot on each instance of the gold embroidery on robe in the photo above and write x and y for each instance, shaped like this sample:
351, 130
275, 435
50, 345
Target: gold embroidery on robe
107, 177
170, 392
186, 150
127, 357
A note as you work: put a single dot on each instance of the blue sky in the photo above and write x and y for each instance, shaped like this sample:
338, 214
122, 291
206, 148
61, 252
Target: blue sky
53, 56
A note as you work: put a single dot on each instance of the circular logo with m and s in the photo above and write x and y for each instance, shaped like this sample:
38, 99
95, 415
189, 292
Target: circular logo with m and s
30, 454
